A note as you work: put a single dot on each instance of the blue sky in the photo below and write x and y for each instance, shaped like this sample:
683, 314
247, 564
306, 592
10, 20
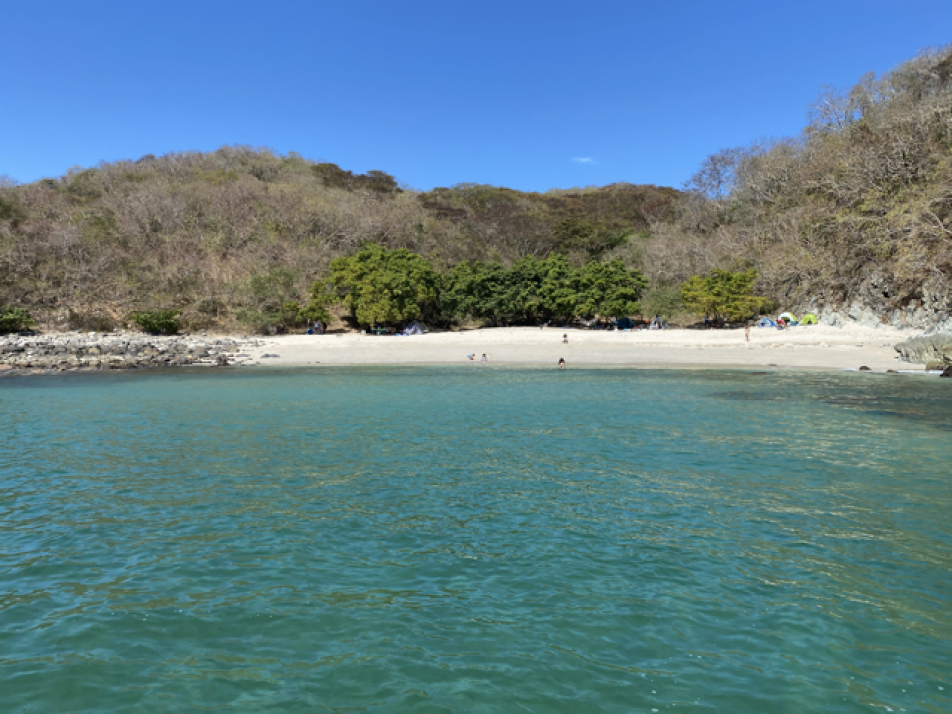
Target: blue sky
532, 95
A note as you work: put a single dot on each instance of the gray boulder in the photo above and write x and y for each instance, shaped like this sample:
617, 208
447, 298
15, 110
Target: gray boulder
926, 350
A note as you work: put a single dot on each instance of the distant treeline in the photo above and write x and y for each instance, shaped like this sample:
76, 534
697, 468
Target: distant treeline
858, 208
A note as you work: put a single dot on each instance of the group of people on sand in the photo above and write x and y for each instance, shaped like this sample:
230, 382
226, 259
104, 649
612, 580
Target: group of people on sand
485, 360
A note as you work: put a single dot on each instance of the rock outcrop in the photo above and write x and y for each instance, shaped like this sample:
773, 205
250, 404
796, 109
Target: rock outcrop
876, 304
927, 349
116, 351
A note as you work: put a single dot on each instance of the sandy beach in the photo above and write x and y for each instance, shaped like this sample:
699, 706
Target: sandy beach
815, 346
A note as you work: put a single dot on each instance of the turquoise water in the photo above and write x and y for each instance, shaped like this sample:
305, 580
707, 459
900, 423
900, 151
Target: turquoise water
475, 540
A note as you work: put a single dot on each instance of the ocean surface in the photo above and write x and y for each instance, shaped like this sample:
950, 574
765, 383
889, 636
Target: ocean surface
475, 539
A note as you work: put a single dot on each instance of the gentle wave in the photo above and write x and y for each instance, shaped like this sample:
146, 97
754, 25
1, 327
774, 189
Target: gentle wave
433, 539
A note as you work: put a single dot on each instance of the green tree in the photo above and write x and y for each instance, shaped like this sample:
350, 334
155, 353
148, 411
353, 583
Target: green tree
321, 299
610, 290
575, 235
475, 289
272, 301
724, 294
14, 319
11, 210
521, 288
541, 289
664, 301
559, 289
157, 322
385, 286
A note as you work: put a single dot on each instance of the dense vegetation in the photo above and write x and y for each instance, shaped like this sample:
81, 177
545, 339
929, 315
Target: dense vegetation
14, 319
395, 286
856, 209
158, 322
725, 295
238, 236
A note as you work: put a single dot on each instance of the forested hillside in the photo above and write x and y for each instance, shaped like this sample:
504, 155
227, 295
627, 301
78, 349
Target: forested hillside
214, 234
855, 212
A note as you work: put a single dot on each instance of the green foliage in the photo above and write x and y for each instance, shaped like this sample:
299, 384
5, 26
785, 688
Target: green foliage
334, 176
99, 225
14, 319
321, 298
581, 235
382, 286
558, 293
85, 185
665, 302
273, 304
379, 181
272, 288
610, 290
475, 289
270, 321
583, 224
11, 210
157, 322
535, 289
724, 294
529, 289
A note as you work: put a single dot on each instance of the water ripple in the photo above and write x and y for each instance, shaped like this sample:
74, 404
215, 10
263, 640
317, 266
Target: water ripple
388, 539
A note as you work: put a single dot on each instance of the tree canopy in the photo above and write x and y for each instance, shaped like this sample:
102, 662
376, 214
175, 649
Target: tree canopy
381, 286
548, 288
394, 286
724, 294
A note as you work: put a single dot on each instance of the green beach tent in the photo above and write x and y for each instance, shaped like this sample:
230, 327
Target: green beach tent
809, 319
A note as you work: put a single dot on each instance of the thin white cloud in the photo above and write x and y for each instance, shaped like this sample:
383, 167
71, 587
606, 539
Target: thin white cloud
583, 160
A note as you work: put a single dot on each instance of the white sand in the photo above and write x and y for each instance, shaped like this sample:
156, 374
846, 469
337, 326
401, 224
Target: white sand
802, 347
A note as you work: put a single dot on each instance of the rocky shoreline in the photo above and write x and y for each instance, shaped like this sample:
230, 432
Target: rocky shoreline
97, 351
934, 351
819, 346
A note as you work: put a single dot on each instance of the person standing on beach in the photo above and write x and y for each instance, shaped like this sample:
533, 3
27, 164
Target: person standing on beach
484, 358
561, 363
565, 339
747, 331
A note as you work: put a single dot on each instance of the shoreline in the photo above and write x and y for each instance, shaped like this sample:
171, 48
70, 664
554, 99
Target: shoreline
814, 347
808, 347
